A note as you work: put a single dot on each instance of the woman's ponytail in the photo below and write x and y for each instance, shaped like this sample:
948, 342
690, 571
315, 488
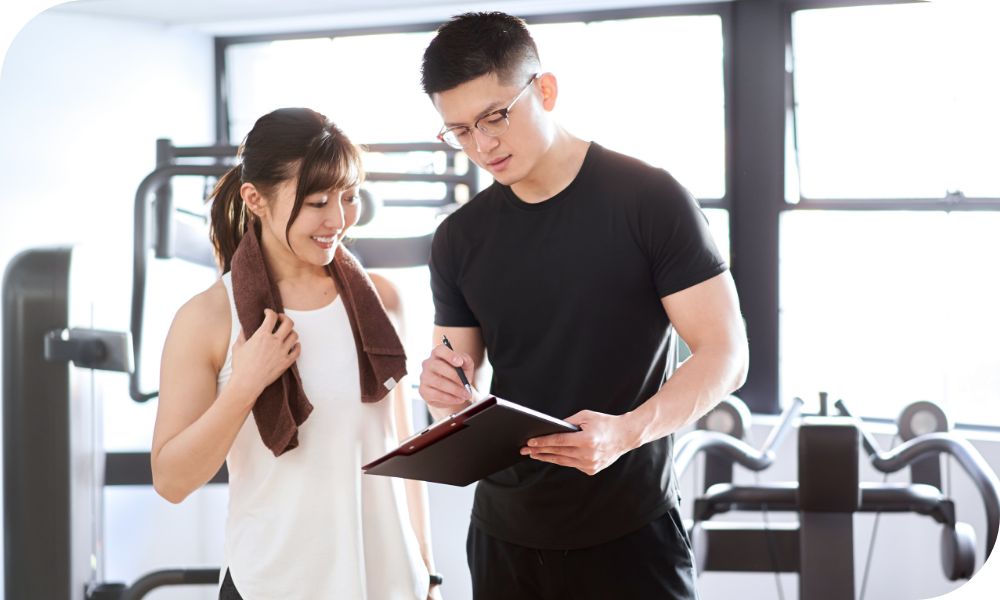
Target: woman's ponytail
229, 217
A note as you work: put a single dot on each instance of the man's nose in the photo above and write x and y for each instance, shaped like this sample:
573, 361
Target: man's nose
483, 142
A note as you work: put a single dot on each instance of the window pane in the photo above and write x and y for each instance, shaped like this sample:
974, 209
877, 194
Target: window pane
882, 309
368, 85
906, 109
718, 224
651, 88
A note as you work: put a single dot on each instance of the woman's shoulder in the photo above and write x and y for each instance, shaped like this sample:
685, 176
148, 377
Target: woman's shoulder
205, 318
387, 292
209, 306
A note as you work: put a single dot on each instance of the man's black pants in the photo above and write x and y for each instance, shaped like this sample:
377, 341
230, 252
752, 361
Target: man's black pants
651, 563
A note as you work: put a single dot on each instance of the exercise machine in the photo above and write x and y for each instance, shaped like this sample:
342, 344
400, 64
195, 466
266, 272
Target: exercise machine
820, 545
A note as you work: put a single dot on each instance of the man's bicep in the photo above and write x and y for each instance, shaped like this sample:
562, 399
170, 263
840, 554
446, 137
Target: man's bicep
707, 313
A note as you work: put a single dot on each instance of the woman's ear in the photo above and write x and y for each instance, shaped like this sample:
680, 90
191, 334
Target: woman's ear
253, 199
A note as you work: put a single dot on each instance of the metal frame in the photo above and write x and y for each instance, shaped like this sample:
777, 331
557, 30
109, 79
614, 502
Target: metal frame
46, 537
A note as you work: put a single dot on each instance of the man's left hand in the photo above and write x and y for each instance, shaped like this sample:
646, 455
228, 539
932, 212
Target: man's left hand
602, 439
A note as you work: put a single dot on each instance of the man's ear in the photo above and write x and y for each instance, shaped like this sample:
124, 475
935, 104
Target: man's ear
253, 199
550, 90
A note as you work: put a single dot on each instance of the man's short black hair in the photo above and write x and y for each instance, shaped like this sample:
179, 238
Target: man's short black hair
474, 44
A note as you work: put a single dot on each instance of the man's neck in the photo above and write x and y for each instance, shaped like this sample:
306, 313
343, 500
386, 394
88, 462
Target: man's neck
557, 168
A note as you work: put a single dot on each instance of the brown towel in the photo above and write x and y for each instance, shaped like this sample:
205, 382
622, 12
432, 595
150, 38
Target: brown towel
283, 405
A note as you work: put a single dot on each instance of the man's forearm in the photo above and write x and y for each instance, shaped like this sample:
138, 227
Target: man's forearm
697, 386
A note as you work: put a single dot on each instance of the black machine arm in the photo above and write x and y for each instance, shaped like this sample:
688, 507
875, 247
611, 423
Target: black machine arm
933, 444
739, 451
158, 177
157, 579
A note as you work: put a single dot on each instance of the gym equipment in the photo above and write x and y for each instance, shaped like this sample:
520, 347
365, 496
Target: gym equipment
820, 546
52, 517
55, 467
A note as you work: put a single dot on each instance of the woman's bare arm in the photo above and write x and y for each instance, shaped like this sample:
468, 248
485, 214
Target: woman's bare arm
195, 427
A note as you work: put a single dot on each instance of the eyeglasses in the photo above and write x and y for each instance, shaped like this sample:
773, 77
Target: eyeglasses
492, 124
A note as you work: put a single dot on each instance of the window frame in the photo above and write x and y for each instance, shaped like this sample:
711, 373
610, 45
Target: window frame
948, 203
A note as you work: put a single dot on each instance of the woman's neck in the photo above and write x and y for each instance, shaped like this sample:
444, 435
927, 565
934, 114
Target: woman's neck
282, 263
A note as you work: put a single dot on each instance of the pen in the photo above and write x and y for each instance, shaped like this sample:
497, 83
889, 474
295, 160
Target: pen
461, 373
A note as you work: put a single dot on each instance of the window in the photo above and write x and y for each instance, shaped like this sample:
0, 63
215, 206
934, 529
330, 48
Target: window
652, 88
882, 301
886, 308
369, 85
718, 224
906, 109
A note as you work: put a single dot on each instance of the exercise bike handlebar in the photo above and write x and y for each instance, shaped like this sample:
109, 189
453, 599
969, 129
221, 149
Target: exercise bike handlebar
737, 450
971, 461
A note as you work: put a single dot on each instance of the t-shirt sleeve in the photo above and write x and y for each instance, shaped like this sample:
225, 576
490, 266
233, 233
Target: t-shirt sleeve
676, 238
450, 307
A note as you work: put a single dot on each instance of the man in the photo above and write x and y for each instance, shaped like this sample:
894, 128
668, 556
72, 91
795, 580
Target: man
570, 271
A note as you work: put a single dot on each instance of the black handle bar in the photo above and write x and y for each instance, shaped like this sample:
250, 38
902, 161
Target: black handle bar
971, 461
738, 451
151, 581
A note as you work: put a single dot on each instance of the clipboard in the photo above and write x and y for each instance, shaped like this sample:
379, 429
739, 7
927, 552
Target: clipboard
469, 445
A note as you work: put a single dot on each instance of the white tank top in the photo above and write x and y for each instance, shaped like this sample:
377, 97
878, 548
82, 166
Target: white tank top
308, 525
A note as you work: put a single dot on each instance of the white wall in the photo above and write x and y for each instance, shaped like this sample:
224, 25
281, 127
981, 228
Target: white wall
82, 101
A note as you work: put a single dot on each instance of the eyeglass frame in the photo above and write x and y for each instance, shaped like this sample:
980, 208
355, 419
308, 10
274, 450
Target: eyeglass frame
503, 112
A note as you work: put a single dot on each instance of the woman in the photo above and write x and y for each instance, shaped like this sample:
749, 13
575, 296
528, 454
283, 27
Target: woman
315, 376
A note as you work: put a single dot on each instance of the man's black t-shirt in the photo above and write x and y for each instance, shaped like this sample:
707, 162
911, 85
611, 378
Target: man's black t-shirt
567, 295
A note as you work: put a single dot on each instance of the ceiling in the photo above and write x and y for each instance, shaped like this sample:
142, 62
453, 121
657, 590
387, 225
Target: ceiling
233, 17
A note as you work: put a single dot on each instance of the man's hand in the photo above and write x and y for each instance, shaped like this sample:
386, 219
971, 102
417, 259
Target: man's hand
440, 386
602, 440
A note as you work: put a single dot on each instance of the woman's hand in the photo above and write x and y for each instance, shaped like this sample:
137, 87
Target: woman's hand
434, 593
268, 353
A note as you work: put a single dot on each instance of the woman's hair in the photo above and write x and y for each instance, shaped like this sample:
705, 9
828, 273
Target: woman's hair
283, 144
471, 45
